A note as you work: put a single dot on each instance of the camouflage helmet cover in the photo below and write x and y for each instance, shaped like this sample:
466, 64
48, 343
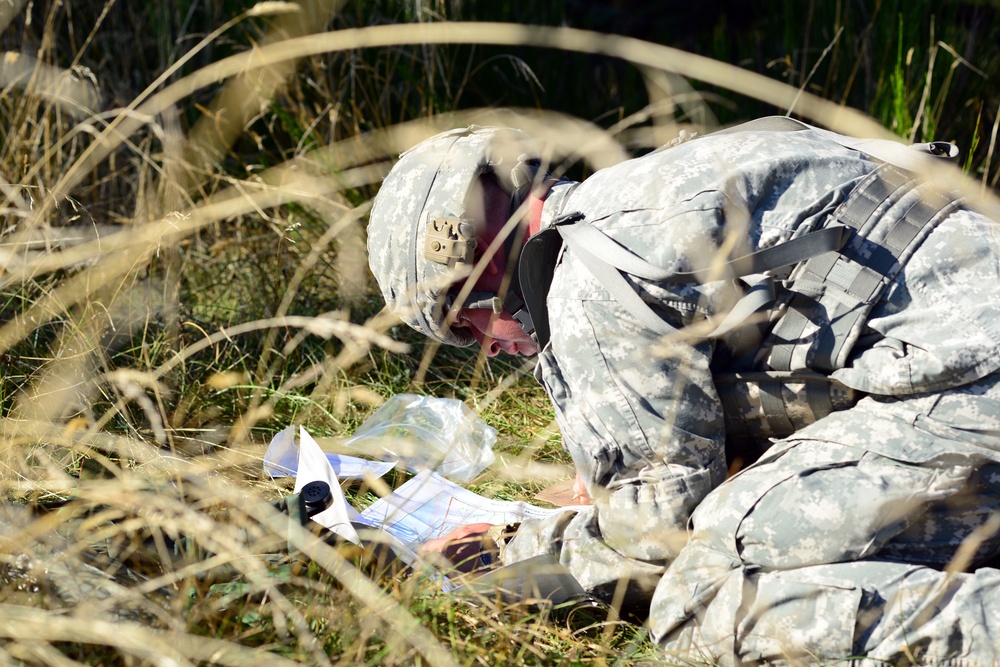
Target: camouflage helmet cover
431, 181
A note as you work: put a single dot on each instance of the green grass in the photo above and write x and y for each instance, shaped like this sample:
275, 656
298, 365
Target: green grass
140, 385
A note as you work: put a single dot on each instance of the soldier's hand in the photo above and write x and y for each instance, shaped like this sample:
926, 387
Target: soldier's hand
465, 548
580, 494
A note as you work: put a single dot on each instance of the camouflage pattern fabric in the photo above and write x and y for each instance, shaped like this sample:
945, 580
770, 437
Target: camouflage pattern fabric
827, 549
833, 544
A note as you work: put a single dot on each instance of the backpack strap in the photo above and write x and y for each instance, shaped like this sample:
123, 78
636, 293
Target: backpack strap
608, 260
832, 295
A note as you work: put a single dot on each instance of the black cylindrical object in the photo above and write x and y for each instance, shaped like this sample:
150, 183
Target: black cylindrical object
316, 497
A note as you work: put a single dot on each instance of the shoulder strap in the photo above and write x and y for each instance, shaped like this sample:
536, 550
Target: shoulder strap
608, 260
832, 295
579, 233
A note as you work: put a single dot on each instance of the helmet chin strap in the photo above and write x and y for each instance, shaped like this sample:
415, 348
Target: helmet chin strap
513, 304
519, 311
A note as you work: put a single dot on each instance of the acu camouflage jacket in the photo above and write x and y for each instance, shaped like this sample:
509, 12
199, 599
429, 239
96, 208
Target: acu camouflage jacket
640, 412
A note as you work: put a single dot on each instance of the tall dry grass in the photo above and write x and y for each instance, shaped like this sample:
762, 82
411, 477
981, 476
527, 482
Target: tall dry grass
184, 272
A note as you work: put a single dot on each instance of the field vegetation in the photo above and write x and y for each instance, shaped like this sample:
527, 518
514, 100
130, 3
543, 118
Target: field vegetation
184, 191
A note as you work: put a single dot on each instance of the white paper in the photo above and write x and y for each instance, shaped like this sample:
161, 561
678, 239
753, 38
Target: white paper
282, 459
314, 466
429, 506
426, 507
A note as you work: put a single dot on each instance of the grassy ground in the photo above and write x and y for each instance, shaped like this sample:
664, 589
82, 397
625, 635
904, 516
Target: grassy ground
184, 274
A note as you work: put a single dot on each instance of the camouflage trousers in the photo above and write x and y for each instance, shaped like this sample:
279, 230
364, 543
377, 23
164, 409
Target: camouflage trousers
868, 534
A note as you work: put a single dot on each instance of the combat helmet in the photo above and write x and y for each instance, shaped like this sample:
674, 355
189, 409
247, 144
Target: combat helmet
419, 239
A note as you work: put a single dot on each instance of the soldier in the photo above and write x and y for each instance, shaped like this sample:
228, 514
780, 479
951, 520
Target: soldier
771, 289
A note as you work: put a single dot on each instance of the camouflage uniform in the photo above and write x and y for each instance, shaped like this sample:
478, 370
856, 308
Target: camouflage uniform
833, 544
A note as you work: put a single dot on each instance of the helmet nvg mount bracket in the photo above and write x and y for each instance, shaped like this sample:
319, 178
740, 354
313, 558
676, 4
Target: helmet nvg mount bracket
450, 241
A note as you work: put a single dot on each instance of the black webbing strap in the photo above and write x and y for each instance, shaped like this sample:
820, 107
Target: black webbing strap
833, 294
